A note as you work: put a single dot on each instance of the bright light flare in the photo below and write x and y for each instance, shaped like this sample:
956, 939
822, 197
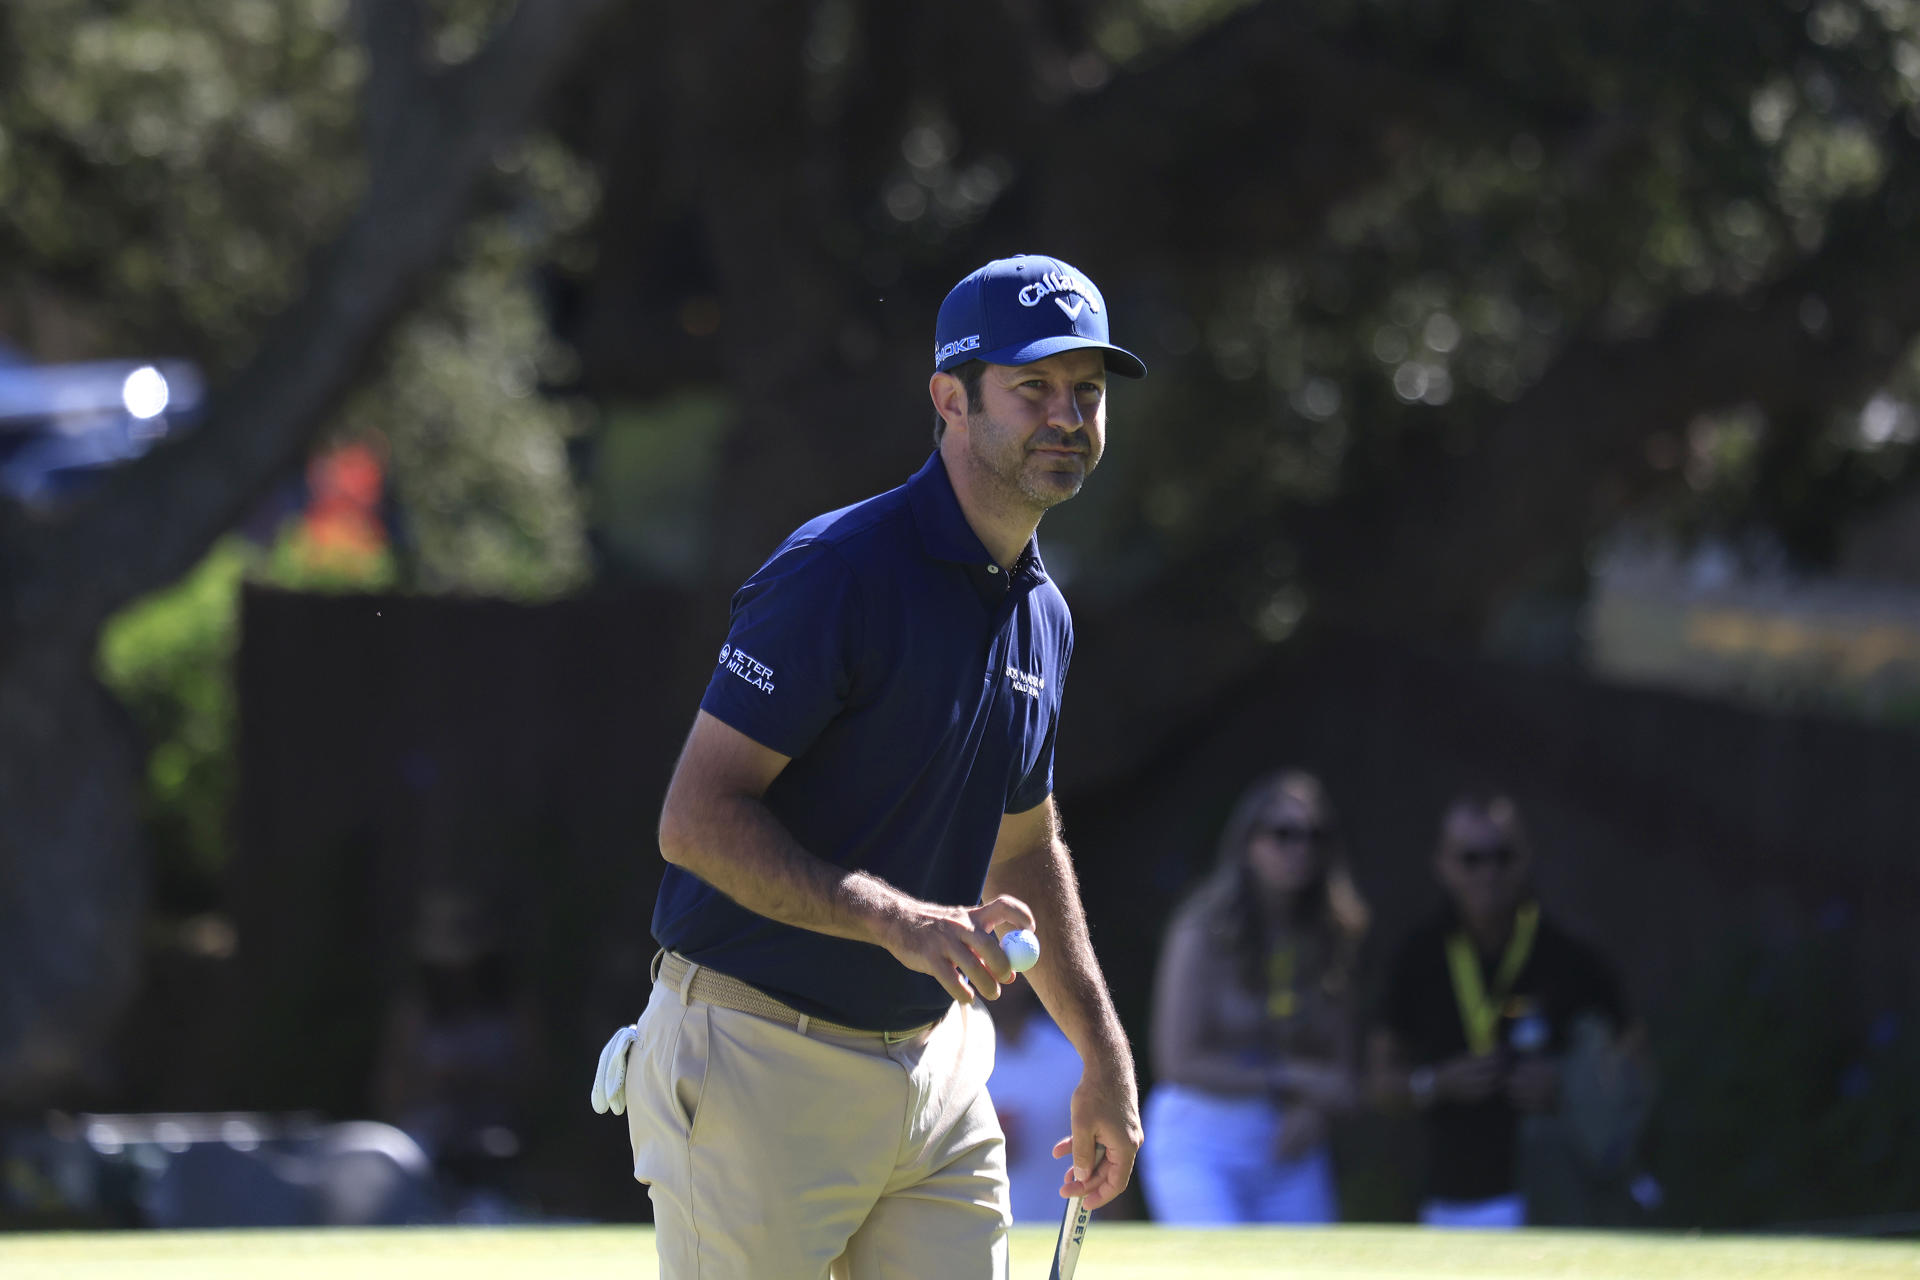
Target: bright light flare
145, 393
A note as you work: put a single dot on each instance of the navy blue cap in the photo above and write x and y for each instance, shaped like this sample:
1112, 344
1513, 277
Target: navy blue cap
1018, 310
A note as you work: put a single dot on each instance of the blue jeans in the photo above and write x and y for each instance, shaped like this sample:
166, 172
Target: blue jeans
1209, 1158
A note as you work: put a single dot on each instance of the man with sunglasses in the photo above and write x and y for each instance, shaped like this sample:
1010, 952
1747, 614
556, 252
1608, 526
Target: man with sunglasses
1482, 1002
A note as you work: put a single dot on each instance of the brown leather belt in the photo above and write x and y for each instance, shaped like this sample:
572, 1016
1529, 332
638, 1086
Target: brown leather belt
697, 982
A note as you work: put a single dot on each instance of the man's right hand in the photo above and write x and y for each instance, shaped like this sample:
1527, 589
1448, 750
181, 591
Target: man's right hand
955, 946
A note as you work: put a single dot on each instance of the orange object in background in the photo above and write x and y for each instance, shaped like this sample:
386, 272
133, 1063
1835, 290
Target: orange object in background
342, 528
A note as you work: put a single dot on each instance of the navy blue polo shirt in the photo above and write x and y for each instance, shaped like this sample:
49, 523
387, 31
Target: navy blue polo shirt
917, 689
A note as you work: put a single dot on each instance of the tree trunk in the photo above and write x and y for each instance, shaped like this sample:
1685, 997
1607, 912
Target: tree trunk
73, 890
72, 882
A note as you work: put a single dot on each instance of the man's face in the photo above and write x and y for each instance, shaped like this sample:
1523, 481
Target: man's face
1037, 430
1480, 867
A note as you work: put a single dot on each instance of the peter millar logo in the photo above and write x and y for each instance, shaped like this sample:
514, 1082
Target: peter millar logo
739, 663
1060, 282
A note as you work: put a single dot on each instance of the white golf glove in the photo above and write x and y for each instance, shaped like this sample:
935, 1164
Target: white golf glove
610, 1081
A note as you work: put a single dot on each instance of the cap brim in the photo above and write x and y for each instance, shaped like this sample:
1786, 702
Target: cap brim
1119, 359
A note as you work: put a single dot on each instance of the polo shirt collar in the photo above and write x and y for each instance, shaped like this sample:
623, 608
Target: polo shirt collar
943, 526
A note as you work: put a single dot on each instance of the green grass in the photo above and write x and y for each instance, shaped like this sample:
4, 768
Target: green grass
1114, 1251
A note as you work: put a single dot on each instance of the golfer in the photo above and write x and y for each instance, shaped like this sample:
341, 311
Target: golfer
864, 803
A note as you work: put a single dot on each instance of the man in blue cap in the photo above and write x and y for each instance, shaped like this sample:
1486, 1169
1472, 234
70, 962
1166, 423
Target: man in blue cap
866, 797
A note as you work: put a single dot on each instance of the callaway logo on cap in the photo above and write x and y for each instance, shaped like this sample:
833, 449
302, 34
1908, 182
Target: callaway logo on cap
1018, 310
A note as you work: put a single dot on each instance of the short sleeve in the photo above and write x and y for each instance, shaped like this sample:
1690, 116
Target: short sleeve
788, 665
1037, 784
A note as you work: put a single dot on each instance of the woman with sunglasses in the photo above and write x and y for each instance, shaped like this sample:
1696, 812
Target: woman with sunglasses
1252, 1036
1481, 1003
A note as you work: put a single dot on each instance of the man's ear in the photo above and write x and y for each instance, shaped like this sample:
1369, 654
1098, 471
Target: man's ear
949, 398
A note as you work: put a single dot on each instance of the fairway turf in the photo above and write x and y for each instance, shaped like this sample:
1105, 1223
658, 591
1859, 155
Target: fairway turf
1115, 1251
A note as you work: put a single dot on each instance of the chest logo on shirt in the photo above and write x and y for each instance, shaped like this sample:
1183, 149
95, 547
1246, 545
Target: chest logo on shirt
742, 664
1025, 682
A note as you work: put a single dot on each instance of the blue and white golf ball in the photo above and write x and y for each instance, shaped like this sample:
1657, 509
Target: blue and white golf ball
1022, 948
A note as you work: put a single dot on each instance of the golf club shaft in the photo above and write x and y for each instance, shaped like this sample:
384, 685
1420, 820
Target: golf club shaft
1073, 1229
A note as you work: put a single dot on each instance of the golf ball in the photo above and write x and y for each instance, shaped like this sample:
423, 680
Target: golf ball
1022, 948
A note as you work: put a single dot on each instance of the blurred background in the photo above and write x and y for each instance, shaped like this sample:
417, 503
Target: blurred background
392, 394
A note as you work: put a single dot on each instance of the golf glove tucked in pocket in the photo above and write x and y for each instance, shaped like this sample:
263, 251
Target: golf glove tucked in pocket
610, 1080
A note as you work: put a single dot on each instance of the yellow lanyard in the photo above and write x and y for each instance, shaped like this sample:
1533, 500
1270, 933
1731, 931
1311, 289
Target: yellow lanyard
1479, 1008
1281, 1000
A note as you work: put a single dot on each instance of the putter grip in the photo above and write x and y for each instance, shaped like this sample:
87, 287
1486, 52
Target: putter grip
1073, 1228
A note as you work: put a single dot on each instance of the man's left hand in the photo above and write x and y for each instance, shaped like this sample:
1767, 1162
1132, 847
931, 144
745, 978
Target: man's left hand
1106, 1113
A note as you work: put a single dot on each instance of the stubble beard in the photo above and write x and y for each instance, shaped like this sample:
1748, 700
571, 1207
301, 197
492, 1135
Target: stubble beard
1016, 473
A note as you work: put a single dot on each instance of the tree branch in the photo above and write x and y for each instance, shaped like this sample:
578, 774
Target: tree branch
1441, 547
154, 518
394, 35
1251, 133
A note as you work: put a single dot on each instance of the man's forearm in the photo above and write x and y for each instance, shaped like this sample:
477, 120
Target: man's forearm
736, 845
1068, 978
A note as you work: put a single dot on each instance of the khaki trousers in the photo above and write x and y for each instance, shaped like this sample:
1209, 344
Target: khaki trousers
773, 1153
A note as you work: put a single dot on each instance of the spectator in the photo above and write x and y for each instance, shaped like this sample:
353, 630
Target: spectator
1035, 1069
1482, 1002
1252, 1036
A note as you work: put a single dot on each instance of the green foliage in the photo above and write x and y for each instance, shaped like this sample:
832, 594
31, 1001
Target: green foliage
480, 455
653, 469
1782, 1100
1126, 31
479, 458
169, 660
165, 168
1615, 161
167, 164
